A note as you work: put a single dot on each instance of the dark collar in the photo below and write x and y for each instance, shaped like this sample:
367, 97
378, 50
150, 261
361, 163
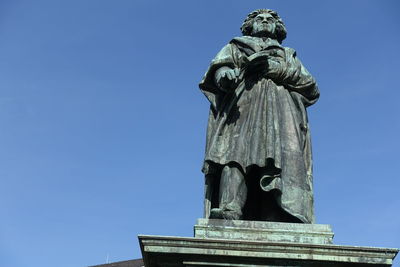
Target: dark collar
255, 44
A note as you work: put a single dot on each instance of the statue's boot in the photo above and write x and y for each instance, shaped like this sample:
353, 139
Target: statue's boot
218, 213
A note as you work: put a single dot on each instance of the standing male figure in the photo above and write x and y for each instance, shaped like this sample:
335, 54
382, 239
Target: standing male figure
258, 163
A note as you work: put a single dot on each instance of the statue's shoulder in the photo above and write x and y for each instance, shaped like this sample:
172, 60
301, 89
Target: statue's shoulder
290, 51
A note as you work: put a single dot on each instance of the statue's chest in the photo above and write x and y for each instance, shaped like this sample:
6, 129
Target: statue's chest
273, 51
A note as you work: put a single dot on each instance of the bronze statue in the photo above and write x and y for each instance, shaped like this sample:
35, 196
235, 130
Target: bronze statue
258, 163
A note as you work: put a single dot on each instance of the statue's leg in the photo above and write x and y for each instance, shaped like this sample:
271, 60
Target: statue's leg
232, 194
209, 193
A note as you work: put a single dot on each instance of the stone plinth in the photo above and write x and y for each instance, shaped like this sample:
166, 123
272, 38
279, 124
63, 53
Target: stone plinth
258, 244
264, 231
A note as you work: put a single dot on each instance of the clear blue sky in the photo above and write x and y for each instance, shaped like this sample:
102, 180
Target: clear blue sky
103, 126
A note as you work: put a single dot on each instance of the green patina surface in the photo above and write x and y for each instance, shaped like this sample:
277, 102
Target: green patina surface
258, 163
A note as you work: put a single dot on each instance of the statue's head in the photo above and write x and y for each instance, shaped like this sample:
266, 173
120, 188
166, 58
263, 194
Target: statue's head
264, 23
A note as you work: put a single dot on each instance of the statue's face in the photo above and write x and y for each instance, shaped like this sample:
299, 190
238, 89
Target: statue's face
264, 25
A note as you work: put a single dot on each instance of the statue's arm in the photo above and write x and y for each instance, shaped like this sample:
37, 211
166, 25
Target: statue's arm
225, 65
220, 76
293, 75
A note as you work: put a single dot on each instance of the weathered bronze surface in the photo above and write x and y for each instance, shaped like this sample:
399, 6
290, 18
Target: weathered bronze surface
258, 163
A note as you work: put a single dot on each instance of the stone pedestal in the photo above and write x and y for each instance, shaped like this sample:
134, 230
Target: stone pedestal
264, 231
258, 244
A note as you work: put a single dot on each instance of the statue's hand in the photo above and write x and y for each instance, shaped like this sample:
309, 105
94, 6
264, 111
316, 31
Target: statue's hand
227, 78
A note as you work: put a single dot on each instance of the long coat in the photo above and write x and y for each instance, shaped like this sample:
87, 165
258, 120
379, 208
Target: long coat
262, 120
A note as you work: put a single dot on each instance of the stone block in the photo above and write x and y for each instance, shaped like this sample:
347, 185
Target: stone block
264, 231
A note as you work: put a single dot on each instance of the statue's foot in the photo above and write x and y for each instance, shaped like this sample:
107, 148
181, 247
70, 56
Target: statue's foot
218, 213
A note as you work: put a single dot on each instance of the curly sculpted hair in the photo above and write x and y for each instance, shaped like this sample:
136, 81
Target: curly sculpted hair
247, 26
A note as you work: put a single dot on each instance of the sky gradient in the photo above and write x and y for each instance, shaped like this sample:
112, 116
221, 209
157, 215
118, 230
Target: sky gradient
103, 125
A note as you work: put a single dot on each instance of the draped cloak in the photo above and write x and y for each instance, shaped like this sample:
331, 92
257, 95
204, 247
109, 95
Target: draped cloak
262, 120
